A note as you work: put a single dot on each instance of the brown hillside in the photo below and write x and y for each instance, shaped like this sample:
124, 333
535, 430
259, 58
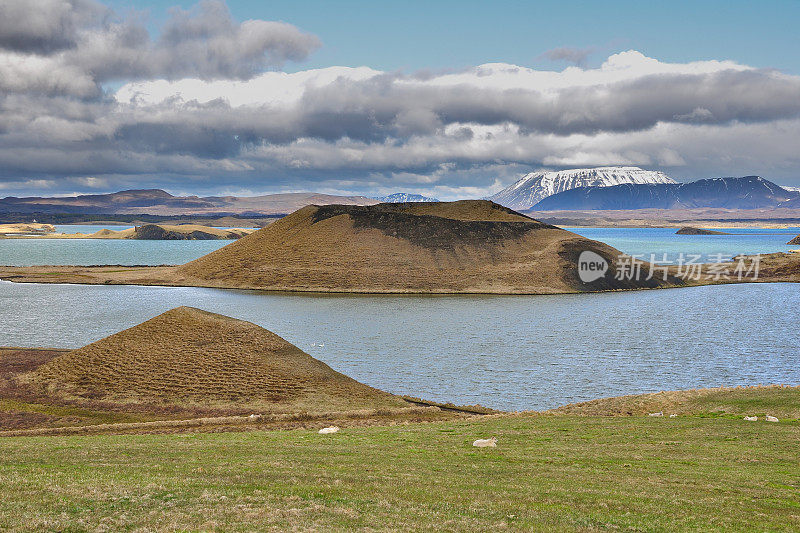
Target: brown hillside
796, 240
188, 356
466, 246
185, 232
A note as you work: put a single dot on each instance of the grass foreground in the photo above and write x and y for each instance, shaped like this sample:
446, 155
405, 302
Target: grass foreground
548, 472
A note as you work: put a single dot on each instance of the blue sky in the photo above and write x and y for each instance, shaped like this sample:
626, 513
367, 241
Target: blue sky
450, 34
451, 99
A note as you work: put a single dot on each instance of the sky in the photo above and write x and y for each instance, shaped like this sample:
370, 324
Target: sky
448, 99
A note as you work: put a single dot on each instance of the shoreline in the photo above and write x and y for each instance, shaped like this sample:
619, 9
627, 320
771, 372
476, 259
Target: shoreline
169, 232
780, 267
721, 402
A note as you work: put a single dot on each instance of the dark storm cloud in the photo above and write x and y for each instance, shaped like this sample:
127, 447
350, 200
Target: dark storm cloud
46, 26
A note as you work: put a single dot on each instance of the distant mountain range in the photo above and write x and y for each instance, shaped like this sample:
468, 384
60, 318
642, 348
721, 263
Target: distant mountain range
651, 190
749, 192
403, 197
536, 186
158, 202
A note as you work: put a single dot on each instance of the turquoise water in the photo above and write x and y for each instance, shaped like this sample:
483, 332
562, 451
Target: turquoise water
27, 252
644, 241
507, 352
660, 241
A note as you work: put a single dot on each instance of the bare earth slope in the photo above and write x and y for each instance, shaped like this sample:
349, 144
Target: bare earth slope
191, 357
466, 246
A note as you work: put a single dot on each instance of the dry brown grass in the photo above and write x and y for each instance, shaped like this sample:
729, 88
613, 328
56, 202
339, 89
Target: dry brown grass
468, 246
14, 361
303, 420
189, 357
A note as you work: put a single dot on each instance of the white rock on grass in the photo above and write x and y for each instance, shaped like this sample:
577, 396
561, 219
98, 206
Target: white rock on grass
328, 430
486, 443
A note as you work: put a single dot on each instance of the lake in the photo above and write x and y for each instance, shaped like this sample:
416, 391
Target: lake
644, 241
660, 241
507, 352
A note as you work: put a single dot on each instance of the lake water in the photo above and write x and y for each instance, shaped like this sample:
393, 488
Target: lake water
507, 352
27, 252
660, 241
644, 241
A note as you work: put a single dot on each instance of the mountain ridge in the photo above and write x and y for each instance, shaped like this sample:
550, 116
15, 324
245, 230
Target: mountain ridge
160, 202
748, 192
404, 197
535, 186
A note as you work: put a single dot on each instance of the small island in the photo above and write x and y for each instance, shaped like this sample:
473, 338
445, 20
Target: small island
689, 230
796, 240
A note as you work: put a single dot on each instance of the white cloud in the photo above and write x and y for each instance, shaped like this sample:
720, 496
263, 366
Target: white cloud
283, 88
269, 88
360, 130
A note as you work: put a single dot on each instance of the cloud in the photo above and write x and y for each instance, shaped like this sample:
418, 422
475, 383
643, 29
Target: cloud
698, 114
629, 92
46, 26
83, 44
201, 112
576, 56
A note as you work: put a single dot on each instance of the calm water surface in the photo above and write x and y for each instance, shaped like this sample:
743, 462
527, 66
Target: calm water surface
27, 252
661, 241
508, 352
642, 241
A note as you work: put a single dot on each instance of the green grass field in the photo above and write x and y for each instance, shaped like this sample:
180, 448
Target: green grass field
548, 472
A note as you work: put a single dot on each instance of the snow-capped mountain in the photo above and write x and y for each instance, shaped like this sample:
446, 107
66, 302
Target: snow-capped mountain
749, 192
534, 187
402, 197
792, 189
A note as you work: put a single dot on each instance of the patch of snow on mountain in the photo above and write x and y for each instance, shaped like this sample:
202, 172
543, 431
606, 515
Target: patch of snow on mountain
402, 197
534, 187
